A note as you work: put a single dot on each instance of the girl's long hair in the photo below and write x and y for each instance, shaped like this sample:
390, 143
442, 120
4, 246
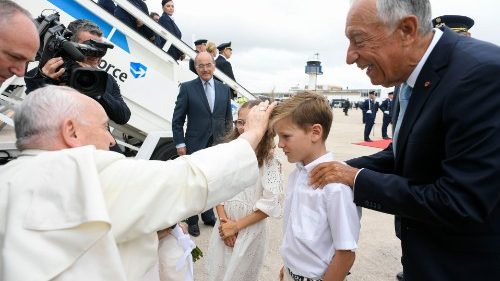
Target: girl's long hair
266, 145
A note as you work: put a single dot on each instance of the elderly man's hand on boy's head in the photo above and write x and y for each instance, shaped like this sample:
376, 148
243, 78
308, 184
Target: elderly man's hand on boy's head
332, 172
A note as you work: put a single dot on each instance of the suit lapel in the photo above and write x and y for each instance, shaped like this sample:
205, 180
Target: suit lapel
427, 81
215, 96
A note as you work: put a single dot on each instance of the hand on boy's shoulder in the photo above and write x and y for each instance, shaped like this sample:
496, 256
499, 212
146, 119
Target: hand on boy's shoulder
332, 172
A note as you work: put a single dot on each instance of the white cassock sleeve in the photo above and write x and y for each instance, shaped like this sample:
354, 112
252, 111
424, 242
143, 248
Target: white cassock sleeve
146, 196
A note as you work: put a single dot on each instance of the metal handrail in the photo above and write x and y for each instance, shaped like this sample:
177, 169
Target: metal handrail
172, 40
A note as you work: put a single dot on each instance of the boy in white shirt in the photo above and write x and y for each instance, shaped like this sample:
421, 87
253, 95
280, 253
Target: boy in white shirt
320, 226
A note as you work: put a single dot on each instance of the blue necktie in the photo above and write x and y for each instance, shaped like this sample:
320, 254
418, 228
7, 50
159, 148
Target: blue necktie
209, 95
404, 97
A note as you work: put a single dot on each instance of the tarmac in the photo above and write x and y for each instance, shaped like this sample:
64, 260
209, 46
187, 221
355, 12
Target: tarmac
379, 251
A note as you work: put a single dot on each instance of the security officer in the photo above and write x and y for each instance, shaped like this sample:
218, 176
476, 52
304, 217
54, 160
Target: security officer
370, 107
222, 63
459, 24
201, 46
386, 108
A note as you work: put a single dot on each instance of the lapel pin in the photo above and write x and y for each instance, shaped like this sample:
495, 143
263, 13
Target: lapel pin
427, 84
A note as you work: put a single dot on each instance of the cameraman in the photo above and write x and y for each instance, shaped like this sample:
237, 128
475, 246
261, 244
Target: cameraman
112, 101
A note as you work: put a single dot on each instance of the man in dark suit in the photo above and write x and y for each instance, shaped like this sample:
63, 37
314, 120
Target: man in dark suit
386, 108
370, 107
134, 23
207, 105
440, 175
107, 5
201, 46
169, 24
346, 105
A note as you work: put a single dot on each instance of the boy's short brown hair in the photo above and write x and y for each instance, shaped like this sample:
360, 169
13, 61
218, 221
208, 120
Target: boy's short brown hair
305, 109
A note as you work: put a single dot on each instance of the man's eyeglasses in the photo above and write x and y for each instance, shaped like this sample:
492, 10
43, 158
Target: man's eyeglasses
203, 66
240, 123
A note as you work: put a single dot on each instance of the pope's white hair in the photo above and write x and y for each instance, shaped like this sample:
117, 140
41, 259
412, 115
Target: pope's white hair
38, 119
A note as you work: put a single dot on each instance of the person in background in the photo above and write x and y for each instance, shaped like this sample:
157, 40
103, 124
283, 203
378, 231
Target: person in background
440, 174
212, 49
154, 16
200, 46
345, 106
386, 108
206, 103
16, 51
107, 5
320, 227
457, 23
237, 250
167, 21
134, 23
222, 63
370, 108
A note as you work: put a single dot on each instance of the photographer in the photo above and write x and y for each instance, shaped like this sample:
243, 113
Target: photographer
53, 70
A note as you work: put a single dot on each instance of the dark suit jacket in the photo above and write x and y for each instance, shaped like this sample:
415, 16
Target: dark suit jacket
192, 67
370, 105
171, 26
223, 65
107, 5
131, 21
444, 181
202, 125
387, 106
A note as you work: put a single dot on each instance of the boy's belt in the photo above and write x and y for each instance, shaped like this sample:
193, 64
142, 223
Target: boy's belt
296, 277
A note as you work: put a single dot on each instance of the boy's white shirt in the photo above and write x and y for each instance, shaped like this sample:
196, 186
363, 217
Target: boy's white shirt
317, 222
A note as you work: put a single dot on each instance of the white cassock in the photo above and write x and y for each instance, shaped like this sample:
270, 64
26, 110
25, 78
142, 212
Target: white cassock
86, 214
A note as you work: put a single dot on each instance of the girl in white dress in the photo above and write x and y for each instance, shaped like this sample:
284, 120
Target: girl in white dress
238, 243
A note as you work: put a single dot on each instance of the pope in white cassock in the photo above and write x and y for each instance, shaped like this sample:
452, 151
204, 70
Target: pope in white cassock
70, 210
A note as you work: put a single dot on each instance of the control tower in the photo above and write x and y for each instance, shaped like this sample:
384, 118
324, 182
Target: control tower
313, 69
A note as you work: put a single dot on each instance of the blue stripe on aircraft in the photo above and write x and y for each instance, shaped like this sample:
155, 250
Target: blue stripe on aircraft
77, 11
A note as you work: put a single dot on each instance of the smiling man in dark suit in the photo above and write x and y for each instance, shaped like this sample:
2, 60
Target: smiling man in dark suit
440, 175
207, 105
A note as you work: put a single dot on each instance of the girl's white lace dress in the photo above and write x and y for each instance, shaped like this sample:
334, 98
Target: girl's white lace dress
243, 262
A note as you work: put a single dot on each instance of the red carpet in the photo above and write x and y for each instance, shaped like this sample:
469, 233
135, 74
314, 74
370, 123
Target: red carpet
376, 143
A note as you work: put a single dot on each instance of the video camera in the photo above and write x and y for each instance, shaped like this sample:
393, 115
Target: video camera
55, 42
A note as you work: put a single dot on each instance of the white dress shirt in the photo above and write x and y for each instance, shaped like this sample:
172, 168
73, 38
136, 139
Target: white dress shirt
414, 74
317, 222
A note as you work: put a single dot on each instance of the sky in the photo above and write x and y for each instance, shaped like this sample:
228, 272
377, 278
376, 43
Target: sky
273, 39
